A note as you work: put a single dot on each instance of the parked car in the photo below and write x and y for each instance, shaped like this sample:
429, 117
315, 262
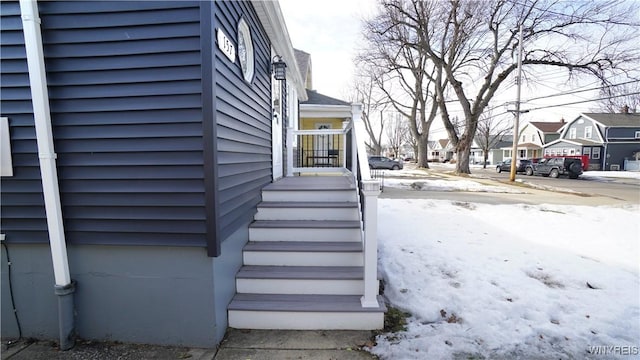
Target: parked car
556, 166
505, 165
383, 162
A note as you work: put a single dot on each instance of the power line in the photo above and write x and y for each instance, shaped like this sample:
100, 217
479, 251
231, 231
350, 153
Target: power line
585, 101
579, 91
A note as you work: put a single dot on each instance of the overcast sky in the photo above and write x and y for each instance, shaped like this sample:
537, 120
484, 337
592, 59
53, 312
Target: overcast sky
330, 30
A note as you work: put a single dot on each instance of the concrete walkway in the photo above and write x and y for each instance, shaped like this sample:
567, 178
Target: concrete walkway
290, 344
237, 345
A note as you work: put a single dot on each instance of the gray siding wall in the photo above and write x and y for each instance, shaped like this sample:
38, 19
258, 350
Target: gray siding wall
22, 205
622, 133
148, 151
619, 152
160, 142
243, 121
125, 97
580, 130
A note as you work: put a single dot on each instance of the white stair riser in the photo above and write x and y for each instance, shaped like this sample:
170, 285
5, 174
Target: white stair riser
274, 213
295, 320
304, 234
275, 195
295, 258
300, 286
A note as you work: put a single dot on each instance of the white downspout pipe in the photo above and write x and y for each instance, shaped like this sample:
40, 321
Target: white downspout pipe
64, 287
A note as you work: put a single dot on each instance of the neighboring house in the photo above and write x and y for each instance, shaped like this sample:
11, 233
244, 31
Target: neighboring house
501, 150
319, 112
534, 135
440, 150
163, 127
608, 139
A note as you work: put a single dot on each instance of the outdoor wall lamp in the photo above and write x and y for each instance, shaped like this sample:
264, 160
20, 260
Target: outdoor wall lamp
279, 68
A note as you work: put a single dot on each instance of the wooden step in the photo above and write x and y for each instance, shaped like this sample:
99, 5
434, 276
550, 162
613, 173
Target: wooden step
303, 253
336, 280
293, 195
305, 230
305, 210
304, 312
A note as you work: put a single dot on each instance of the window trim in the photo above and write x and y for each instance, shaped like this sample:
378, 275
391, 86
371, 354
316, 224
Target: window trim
590, 135
6, 164
573, 133
595, 153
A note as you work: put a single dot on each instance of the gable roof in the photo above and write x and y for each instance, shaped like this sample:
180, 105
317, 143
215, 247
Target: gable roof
548, 127
615, 119
443, 143
316, 98
303, 59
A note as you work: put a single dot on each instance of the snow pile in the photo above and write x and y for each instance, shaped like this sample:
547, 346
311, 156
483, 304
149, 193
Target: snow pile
603, 175
510, 281
445, 185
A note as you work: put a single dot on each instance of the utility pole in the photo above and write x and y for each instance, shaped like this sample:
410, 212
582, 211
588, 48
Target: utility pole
514, 150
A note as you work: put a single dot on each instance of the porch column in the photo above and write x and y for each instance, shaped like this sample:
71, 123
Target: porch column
370, 190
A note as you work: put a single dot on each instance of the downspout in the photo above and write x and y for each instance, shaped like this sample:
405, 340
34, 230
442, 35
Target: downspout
64, 286
606, 142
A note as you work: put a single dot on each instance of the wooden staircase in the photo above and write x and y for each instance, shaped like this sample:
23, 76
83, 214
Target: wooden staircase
303, 264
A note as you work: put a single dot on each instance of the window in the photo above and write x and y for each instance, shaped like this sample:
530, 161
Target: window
572, 151
572, 133
547, 152
637, 136
587, 151
595, 153
565, 151
588, 130
533, 137
524, 138
6, 166
522, 154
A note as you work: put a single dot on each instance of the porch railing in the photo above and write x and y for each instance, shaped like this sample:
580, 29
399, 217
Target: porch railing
343, 151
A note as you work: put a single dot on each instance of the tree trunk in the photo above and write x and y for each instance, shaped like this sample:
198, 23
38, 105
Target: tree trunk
422, 152
462, 154
486, 157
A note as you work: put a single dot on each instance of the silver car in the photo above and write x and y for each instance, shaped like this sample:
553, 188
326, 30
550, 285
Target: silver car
383, 162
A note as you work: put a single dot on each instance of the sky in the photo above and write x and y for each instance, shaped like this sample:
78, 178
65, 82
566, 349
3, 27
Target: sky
562, 283
333, 37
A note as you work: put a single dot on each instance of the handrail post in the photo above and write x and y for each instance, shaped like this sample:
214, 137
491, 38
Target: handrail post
354, 150
289, 145
370, 190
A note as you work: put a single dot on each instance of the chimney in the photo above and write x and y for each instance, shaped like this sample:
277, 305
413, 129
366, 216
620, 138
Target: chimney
625, 109
562, 120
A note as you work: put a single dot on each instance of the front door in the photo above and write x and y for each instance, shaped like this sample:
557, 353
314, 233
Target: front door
276, 143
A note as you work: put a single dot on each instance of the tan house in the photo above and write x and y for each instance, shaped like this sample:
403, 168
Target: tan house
533, 136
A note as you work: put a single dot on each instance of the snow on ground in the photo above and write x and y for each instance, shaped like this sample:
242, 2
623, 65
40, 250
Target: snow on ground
510, 281
446, 185
596, 175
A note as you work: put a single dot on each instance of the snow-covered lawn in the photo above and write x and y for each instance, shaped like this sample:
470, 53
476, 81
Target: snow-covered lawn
510, 281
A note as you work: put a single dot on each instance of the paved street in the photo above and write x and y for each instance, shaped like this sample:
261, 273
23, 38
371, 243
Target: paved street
533, 189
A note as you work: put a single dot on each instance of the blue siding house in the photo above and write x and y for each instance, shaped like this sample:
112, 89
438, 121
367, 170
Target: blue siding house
608, 139
161, 119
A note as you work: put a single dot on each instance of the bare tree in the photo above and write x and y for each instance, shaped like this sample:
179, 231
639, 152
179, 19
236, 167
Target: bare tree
397, 133
491, 130
471, 46
403, 72
373, 105
617, 98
